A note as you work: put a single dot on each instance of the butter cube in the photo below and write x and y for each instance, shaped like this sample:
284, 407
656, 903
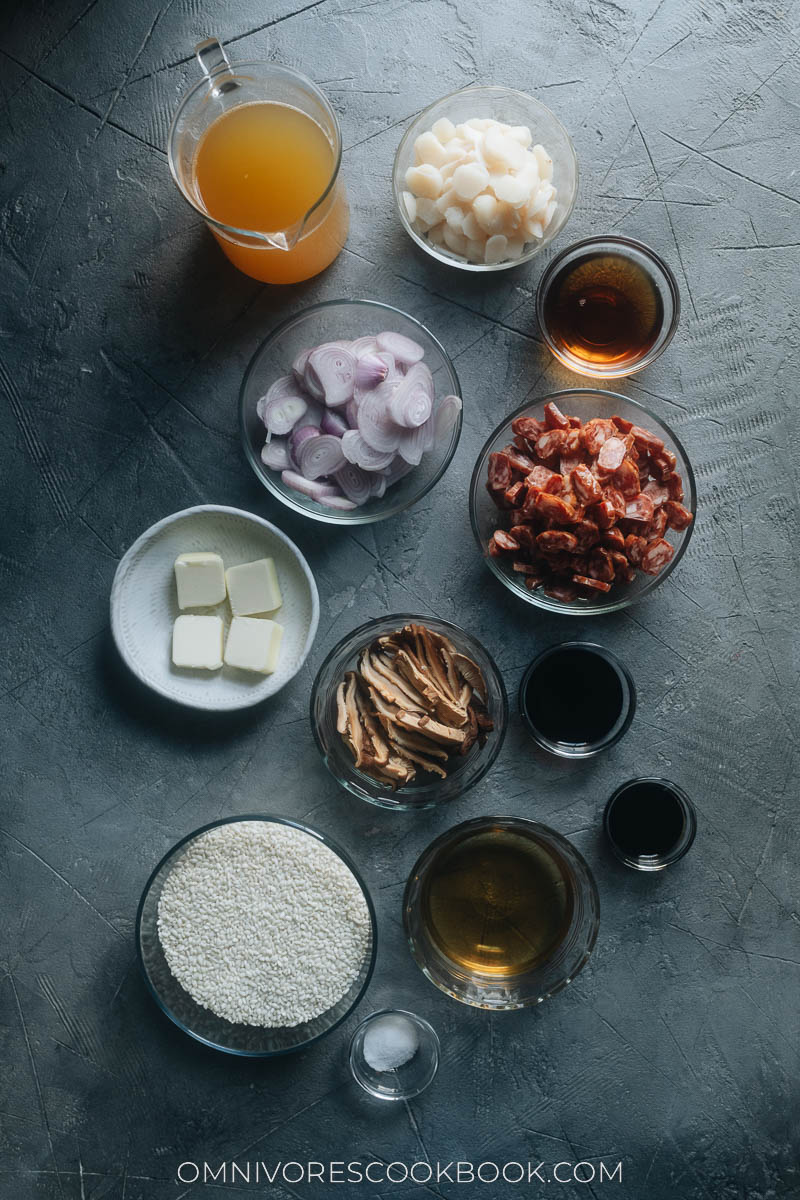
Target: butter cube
253, 588
197, 642
200, 577
253, 644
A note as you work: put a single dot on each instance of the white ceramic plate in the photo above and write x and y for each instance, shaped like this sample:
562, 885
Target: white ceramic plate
144, 605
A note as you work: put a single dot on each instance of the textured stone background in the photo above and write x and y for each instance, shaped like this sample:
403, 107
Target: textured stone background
124, 337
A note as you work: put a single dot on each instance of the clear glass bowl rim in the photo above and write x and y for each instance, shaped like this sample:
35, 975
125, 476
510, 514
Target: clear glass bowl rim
356, 517
370, 628
618, 730
592, 903
274, 819
413, 129
535, 597
617, 371
653, 862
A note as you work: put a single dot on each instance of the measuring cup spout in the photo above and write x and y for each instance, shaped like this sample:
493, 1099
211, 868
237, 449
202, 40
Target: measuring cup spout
288, 238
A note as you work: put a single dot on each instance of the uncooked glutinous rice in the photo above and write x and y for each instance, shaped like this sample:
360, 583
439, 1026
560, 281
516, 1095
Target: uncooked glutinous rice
263, 924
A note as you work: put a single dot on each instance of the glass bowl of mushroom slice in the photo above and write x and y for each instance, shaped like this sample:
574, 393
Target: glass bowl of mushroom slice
408, 711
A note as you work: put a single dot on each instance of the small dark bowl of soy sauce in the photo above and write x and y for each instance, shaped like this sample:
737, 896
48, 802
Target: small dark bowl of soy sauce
650, 823
577, 699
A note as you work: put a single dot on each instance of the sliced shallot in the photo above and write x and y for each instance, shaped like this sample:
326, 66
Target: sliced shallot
371, 369
339, 502
364, 385
299, 366
283, 406
298, 437
333, 422
355, 483
374, 422
353, 418
351, 412
416, 442
356, 451
275, 454
311, 383
314, 488
403, 348
321, 455
363, 345
397, 471
446, 415
333, 367
412, 401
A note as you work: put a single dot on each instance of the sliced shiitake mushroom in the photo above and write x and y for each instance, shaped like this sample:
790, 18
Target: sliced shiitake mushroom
414, 701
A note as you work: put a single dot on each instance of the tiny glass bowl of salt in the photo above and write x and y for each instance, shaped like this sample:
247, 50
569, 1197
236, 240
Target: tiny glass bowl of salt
394, 1054
485, 178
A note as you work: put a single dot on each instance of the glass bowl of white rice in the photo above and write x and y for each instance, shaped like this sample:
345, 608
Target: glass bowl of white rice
256, 935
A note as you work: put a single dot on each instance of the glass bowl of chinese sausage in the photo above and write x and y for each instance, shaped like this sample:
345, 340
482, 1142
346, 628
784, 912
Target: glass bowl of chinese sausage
350, 412
583, 502
485, 178
408, 711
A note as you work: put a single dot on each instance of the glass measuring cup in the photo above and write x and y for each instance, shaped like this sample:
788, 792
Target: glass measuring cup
314, 237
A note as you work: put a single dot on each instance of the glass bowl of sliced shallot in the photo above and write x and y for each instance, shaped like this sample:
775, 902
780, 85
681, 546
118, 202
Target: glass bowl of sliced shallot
408, 712
350, 412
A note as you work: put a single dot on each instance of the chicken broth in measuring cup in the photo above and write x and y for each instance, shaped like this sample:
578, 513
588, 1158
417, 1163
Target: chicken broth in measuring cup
263, 166
256, 149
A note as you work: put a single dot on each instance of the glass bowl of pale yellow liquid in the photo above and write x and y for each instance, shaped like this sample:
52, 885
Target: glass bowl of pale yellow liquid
501, 912
256, 149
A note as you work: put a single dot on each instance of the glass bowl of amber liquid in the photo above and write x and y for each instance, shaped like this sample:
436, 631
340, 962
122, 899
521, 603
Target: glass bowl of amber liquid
501, 912
608, 306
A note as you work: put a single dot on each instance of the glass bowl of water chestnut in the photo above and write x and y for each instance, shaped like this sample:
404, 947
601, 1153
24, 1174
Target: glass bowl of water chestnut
485, 178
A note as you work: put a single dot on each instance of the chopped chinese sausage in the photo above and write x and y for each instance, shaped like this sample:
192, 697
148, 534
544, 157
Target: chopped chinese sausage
554, 418
612, 454
656, 556
585, 485
678, 517
592, 511
597, 585
543, 479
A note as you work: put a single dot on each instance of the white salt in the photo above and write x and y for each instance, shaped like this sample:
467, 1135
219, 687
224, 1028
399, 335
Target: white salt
390, 1042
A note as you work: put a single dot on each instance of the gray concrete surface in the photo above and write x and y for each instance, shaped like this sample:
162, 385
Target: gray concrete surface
124, 338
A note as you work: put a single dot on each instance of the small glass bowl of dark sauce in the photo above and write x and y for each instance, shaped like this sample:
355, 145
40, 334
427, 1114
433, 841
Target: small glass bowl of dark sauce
608, 306
577, 699
650, 823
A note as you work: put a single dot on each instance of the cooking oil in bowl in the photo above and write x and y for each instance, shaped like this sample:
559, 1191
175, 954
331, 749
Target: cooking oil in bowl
501, 912
497, 902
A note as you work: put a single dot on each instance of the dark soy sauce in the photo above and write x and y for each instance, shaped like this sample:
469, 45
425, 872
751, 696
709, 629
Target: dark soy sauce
574, 696
646, 819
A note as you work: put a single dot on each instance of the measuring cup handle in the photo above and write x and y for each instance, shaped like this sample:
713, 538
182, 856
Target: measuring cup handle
212, 59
